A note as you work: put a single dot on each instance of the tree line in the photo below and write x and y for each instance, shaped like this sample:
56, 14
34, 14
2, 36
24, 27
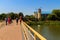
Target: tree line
55, 15
11, 14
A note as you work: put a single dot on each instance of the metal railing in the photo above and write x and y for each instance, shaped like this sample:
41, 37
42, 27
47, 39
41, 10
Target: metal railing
28, 35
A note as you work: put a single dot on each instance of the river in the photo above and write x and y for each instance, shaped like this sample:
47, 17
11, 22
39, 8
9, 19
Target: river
49, 32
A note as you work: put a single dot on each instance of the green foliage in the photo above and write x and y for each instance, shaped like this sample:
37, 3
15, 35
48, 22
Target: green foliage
55, 15
51, 17
21, 14
57, 12
30, 17
3, 16
16, 16
11, 14
44, 23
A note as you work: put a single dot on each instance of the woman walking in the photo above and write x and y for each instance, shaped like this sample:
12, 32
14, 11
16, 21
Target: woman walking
20, 19
9, 20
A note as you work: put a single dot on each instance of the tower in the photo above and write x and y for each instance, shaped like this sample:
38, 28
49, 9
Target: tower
39, 14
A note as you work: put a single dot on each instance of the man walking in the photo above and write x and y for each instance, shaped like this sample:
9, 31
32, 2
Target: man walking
6, 19
17, 20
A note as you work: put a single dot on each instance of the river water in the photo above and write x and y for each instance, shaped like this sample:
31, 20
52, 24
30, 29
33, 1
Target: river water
49, 32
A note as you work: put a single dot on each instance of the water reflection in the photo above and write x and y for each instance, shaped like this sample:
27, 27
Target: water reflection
49, 32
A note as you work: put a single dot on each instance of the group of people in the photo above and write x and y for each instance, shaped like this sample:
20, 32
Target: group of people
18, 19
9, 20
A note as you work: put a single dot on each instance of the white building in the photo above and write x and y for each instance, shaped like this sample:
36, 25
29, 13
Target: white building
38, 14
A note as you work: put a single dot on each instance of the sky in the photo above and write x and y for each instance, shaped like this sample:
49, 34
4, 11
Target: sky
28, 6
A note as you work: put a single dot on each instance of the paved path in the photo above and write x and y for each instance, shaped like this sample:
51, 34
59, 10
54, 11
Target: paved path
11, 32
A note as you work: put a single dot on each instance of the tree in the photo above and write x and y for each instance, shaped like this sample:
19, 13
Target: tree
27, 16
16, 16
57, 13
21, 14
51, 17
12, 15
30, 17
3, 16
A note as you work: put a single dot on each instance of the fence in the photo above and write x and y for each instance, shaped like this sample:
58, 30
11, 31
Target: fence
30, 34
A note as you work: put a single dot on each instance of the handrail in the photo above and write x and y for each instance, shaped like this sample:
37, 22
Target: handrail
35, 33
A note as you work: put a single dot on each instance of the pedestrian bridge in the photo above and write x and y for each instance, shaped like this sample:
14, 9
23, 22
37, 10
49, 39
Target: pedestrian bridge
19, 32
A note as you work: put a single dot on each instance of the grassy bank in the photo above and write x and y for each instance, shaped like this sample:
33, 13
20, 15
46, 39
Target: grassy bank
44, 23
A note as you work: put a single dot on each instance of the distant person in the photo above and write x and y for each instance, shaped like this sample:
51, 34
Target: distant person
20, 19
6, 19
9, 20
17, 20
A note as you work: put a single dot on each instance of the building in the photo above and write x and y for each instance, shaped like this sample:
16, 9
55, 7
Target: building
39, 14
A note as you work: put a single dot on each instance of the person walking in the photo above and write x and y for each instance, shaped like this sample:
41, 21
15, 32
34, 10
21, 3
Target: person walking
6, 20
20, 19
17, 21
9, 20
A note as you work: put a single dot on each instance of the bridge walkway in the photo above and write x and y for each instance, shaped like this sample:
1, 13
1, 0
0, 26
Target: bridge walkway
11, 32
19, 32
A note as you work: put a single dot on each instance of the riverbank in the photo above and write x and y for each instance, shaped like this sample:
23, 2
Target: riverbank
49, 29
44, 23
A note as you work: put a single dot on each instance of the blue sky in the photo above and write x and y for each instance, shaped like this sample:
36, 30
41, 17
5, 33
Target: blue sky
28, 6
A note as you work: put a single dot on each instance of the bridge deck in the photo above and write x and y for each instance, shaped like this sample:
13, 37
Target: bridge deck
11, 32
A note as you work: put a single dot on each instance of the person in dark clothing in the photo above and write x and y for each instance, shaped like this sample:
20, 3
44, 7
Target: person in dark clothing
6, 19
17, 20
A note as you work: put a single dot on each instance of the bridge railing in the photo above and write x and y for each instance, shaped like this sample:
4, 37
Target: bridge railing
28, 35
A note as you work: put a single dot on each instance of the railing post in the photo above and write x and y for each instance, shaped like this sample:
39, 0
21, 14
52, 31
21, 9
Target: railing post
34, 36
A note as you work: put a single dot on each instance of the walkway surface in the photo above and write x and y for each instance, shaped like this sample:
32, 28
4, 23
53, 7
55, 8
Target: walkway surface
11, 32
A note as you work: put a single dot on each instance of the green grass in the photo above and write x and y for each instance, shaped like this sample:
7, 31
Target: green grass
44, 23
